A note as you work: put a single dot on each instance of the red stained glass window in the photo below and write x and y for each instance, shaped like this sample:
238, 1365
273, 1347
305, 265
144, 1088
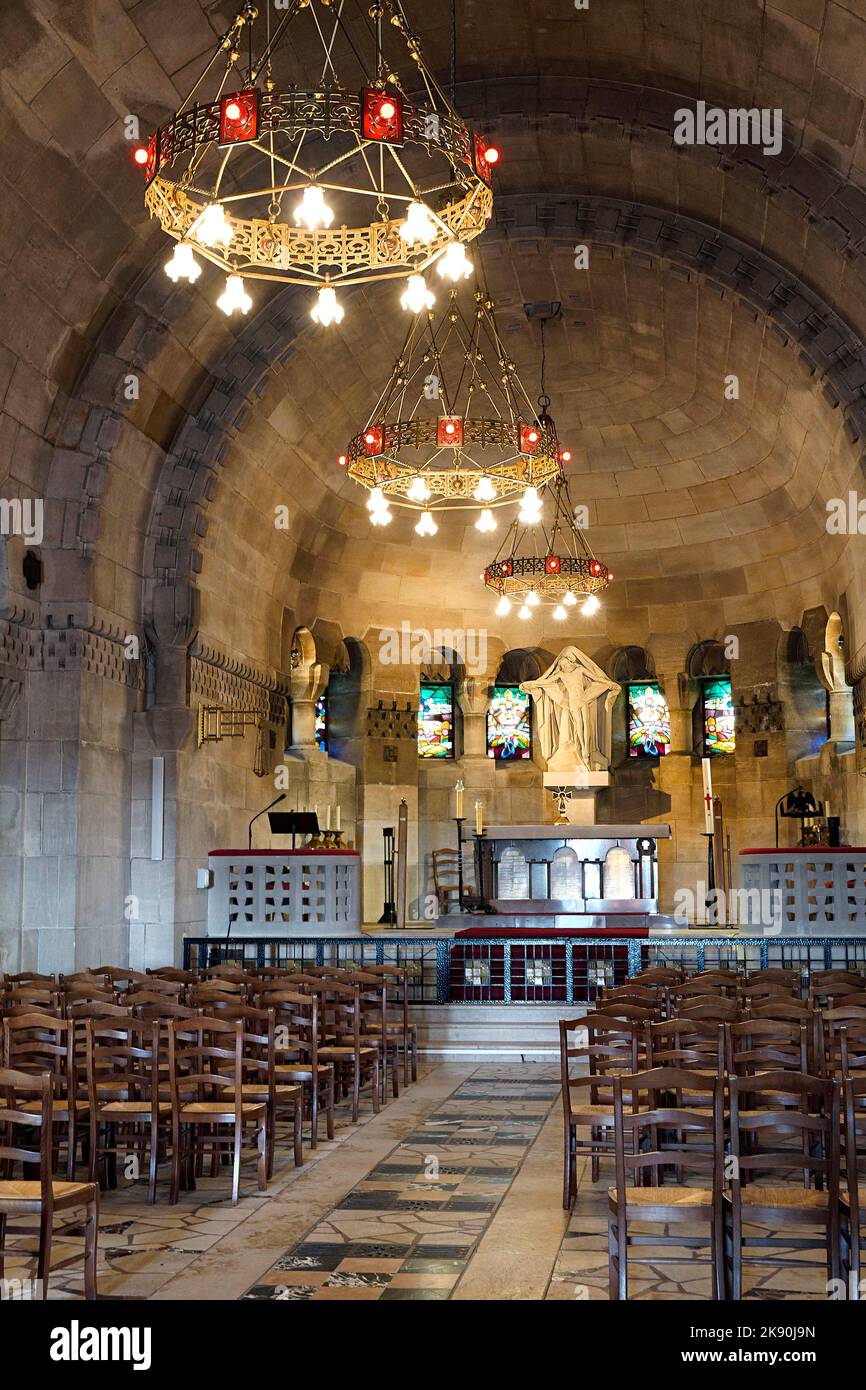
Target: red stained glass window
381, 116
239, 117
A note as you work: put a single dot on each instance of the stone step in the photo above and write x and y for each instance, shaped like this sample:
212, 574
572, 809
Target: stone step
505, 1028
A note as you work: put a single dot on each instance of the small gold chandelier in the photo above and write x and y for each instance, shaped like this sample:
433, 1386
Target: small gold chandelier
554, 567
245, 173
454, 428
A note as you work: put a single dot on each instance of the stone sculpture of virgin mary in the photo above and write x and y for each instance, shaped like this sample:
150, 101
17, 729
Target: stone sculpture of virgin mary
573, 701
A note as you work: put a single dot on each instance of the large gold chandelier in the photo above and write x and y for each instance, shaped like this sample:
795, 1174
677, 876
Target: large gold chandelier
454, 428
328, 178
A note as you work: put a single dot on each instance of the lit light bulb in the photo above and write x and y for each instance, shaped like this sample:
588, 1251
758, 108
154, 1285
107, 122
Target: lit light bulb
485, 491
416, 295
426, 526
212, 226
233, 111
326, 310
183, 264
381, 517
376, 499
312, 211
532, 598
419, 224
530, 507
569, 600
485, 522
503, 607
560, 612
525, 612
387, 109
234, 297
454, 264
591, 605
418, 490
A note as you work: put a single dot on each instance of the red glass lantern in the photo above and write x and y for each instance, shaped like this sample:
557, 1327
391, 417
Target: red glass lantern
373, 439
449, 432
552, 565
530, 438
381, 116
239, 117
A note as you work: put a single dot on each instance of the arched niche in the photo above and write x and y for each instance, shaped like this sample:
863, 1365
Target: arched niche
512, 877
565, 879
707, 659
618, 874
830, 666
631, 664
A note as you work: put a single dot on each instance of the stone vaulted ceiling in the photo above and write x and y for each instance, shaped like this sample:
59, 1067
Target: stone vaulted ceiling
704, 263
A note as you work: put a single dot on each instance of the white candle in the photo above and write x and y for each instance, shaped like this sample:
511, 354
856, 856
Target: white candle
337, 822
328, 816
708, 795
479, 818
459, 789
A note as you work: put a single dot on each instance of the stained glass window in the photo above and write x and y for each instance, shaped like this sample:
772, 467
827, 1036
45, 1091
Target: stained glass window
509, 724
322, 723
436, 722
719, 736
649, 721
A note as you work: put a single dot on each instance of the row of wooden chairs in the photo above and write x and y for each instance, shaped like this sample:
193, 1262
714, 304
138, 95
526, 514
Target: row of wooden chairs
166, 1068
773, 1122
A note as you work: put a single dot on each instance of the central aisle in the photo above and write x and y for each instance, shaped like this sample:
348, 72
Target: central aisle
409, 1228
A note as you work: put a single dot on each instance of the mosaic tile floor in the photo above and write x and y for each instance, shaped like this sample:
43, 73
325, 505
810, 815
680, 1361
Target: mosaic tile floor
453, 1191
409, 1229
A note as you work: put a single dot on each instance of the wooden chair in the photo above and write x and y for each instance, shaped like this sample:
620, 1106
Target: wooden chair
172, 975
710, 1007
402, 1031
642, 1113
206, 1076
340, 1040
27, 977
120, 977
657, 975
611, 1047
297, 1052
446, 878
767, 1044
123, 1086
852, 1051
686, 1042
155, 985
823, 983
767, 1112
828, 1041
34, 998
35, 1043
777, 975
41, 1197
283, 1099
852, 1197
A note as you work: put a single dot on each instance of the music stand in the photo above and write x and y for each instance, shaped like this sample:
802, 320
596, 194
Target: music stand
293, 823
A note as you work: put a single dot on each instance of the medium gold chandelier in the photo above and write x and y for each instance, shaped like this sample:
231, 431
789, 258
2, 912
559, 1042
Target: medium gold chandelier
246, 172
454, 428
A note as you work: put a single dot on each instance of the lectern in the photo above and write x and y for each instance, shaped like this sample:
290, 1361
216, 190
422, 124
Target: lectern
293, 823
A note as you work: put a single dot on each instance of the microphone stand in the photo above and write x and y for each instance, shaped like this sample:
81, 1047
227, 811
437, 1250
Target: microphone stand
275, 802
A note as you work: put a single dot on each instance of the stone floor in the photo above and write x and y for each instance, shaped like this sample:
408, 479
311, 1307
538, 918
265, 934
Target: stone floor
451, 1192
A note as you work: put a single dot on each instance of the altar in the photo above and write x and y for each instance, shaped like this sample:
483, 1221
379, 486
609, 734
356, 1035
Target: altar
550, 870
